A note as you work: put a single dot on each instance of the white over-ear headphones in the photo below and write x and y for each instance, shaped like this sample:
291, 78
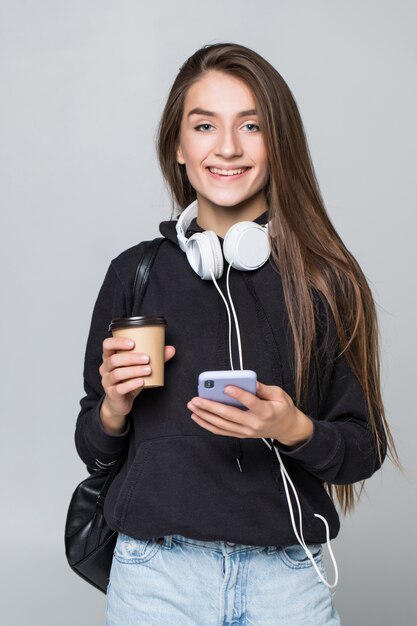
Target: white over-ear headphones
246, 246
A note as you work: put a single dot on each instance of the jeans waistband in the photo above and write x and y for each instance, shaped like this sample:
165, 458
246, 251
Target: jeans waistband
224, 547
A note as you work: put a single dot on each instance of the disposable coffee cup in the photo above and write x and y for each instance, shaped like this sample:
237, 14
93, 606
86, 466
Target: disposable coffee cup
148, 333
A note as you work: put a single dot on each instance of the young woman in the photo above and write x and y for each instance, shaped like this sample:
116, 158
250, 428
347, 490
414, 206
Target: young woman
215, 527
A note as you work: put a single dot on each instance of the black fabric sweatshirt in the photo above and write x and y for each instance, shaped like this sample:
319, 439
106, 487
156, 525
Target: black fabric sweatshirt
178, 478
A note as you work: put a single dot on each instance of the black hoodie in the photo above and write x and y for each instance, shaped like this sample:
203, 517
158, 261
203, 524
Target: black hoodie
178, 477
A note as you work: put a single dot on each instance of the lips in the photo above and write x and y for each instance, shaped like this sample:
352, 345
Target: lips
227, 173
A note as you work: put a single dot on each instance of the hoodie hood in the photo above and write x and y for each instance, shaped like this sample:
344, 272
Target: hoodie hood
168, 227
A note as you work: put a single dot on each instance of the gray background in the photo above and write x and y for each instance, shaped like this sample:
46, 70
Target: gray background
82, 85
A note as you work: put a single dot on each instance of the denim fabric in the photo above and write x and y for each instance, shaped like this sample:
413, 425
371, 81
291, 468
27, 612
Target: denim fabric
179, 581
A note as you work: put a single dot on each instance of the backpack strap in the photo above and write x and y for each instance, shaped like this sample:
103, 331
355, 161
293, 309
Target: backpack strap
139, 288
142, 272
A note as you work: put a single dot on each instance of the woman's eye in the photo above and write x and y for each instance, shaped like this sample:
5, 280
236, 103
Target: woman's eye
206, 126
200, 125
253, 125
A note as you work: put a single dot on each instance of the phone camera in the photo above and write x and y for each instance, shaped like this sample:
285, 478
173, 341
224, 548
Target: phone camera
209, 384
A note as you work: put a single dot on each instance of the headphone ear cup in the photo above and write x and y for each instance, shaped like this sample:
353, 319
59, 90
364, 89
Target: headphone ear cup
204, 253
246, 245
216, 262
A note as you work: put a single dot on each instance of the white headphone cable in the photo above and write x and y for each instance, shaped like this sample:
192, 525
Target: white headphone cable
239, 343
300, 536
285, 476
228, 317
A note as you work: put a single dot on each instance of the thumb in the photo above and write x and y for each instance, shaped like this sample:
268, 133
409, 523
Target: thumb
266, 392
169, 352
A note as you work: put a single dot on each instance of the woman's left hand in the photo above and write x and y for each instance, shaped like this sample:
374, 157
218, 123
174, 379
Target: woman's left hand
271, 414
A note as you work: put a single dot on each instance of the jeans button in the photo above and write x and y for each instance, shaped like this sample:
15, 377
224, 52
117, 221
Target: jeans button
160, 540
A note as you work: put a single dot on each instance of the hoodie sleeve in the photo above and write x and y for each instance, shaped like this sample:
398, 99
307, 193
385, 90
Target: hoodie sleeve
341, 449
95, 446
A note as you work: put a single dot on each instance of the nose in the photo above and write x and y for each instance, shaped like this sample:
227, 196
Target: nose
228, 144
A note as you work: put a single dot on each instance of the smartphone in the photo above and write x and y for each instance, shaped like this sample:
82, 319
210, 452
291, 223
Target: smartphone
211, 385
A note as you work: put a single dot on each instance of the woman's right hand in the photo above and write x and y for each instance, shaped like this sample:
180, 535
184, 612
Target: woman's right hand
122, 376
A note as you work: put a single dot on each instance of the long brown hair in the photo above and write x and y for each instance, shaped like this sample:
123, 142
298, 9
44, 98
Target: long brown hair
305, 246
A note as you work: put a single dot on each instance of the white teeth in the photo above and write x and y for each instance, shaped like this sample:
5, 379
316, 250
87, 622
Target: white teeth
214, 170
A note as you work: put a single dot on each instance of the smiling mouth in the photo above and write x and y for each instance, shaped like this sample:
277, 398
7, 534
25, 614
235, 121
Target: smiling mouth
220, 173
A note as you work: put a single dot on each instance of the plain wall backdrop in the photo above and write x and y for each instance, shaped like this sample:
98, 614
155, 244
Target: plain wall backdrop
83, 84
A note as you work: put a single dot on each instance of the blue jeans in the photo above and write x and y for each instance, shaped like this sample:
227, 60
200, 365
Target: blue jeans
178, 581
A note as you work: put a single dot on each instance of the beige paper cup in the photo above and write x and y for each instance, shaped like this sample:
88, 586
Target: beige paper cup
148, 333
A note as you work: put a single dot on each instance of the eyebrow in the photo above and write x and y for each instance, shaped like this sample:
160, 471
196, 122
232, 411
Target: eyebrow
198, 111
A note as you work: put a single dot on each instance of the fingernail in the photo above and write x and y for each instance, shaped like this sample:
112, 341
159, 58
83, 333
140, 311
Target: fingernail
129, 343
230, 390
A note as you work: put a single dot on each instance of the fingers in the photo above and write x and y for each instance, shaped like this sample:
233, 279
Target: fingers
225, 411
111, 344
121, 374
254, 403
220, 419
120, 364
122, 359
219, 426
266, 408
133, 385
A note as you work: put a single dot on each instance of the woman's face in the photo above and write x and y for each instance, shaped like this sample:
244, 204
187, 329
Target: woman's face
220, 129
